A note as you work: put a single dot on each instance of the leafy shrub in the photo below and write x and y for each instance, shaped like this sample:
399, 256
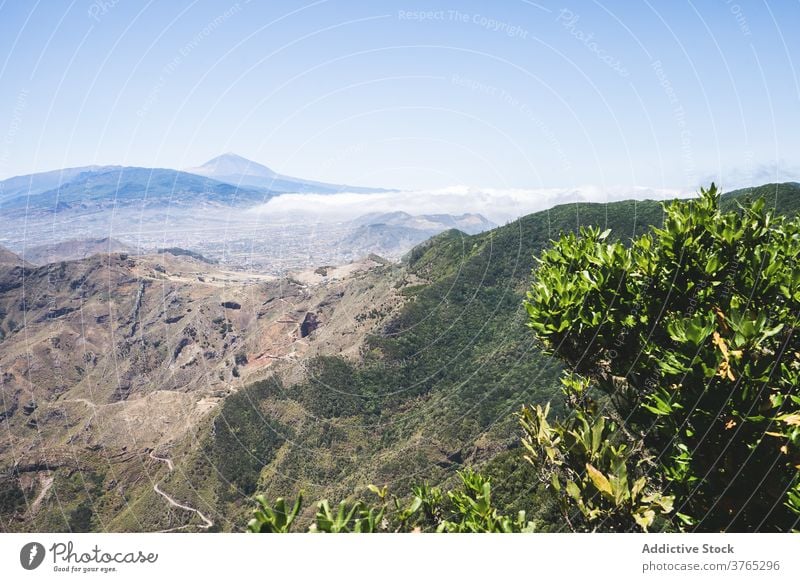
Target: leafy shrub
683, 357
269, 519
595, 471
465, 509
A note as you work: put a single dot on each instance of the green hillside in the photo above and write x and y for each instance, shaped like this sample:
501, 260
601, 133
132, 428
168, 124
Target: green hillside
437, 389
784, 198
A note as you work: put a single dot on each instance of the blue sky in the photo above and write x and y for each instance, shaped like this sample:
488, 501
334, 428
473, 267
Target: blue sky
409, 94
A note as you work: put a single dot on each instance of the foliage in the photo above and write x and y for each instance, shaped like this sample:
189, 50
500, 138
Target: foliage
596, 470
276, 519
516, 487
682, 352
12, 498
80, 518
465, 509
245, 439
355, 518
334, 389
472, 509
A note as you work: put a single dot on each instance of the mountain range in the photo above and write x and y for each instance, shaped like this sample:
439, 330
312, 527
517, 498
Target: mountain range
132, 383
227, 180
392, 234
72, 213
9, 259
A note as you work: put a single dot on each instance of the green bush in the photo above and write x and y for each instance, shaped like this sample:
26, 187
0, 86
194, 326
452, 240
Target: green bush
12, 498
468, 508
684, 371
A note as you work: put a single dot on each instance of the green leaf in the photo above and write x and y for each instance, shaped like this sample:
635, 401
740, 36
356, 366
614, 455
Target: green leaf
599, 480
573, 490
644, 518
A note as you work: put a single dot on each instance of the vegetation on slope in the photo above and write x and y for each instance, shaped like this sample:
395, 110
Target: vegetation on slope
436, 390
681, 380
781, 198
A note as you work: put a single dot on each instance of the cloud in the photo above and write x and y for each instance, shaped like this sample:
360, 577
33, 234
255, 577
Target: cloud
498, 205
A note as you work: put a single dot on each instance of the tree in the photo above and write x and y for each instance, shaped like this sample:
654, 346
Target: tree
683, 372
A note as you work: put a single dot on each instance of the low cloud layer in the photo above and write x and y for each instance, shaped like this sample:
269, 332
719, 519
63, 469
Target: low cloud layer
499, 206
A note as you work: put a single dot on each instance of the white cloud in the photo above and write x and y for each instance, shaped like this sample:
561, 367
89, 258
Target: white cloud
498, 205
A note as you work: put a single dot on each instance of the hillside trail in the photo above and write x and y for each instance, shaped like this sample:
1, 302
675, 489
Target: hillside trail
207, 522
46, 481
88, 403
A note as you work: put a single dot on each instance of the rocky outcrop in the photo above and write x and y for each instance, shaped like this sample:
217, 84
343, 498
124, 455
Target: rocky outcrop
9, 411
137, 307
309, 324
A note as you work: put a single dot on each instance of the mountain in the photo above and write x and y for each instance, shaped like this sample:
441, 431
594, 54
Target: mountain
71, 250
468, 223
156, 207
107, 359
41, 182
9, 259
120, 186
322, 382
239, 171
392, 234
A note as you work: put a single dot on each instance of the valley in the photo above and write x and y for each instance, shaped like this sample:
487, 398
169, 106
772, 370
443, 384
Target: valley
107, 359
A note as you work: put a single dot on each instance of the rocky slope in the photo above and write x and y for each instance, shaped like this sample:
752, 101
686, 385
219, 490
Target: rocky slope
71, 250
9, 259
104, 360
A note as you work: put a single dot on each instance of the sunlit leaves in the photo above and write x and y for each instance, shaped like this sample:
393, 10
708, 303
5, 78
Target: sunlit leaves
467, 508
274, 519
690, 330
591, 472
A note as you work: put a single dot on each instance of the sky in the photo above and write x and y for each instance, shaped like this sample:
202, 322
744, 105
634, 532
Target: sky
604, 96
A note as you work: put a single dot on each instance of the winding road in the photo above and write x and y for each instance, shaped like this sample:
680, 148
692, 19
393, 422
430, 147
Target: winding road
207, 522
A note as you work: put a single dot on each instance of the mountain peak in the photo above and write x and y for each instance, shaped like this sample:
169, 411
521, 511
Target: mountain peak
9, 259
231, 164
239, 171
